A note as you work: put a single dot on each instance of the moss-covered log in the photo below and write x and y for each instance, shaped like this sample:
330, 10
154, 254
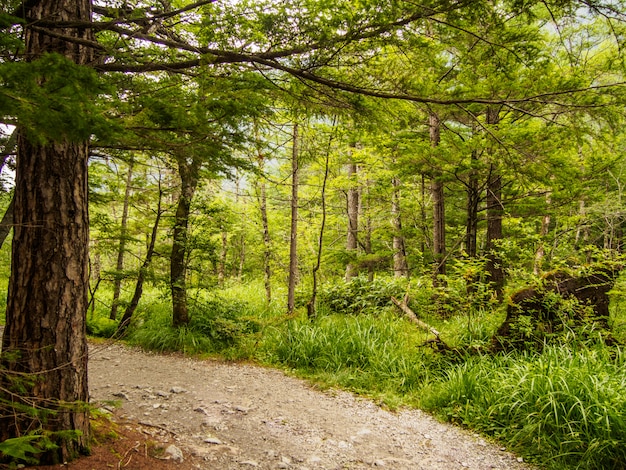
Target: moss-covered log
562, 306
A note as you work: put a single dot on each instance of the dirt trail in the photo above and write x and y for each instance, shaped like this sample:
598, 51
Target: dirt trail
234, 416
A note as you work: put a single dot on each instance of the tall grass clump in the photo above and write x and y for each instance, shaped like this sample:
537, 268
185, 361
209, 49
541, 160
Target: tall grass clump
215, 325
565, 408
372, 355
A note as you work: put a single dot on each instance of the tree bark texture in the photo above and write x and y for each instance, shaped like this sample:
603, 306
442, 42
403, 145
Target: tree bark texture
48, 290
45, 331
439, 212
353, 219
188, 172
293, 234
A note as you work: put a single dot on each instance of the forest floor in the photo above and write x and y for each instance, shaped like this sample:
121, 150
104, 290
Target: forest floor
217, 415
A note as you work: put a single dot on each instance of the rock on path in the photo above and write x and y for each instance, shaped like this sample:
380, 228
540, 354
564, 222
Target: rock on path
236, 416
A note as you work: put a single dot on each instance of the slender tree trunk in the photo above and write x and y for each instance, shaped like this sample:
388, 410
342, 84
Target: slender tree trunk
439, 211
178, 266
121, 249
400, 266
366, 243
353, 219
473, 200
293, 234
312, 304
132, 306
221, 267
267, 250
45, 334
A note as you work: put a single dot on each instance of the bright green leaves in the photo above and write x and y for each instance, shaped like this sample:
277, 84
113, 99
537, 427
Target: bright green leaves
51, 99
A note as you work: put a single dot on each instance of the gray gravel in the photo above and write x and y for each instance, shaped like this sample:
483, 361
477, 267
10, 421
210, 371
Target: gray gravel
237, 416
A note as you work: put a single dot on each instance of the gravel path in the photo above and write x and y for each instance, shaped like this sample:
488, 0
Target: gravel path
237, 416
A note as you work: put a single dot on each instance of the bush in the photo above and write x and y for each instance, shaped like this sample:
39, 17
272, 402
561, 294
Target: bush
360, 295
102, 327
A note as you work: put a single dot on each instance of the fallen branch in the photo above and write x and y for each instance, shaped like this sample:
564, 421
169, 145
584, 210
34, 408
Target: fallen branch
413, 317
437, 343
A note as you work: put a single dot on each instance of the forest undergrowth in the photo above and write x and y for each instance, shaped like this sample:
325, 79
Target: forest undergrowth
563, 406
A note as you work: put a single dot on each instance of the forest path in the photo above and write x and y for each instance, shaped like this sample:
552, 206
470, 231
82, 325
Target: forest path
233, 416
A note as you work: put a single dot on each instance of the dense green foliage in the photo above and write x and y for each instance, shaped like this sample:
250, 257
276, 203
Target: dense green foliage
500, 123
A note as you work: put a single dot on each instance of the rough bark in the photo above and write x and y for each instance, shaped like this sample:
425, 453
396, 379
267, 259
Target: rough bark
45, 331
353, 219
439, 213
293, 234
121, 249
188, 172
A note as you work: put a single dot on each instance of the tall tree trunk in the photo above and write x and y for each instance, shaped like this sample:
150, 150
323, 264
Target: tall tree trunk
473, 200
367, 230
267, 250
439, 211
45, 334
121, 249
312, 304
132, 306
221, 267
262, 200
495, 210
400, 266
353, 219
293, 234
178, 267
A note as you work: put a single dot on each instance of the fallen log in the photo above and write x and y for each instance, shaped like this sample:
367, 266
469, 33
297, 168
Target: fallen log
562, 302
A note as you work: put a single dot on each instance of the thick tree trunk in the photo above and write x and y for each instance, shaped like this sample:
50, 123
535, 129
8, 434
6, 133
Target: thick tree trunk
439, 212
293, 234
353, 219
45, 334
48, 289
400, 266
178, 266
121, 249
